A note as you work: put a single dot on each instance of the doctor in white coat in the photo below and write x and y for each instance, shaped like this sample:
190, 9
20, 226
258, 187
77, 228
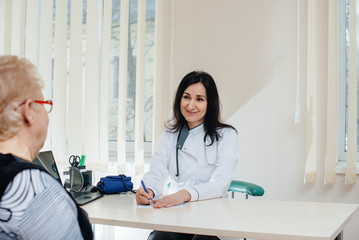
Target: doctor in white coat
198, 153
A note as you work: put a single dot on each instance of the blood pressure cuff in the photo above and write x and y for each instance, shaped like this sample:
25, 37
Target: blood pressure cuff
115, 184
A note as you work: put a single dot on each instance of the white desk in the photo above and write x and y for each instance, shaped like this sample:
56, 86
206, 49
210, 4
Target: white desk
253, 219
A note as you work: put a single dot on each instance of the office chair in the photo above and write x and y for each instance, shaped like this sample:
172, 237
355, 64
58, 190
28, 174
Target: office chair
245, 187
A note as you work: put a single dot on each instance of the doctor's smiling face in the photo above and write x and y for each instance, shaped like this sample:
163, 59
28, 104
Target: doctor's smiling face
194, 104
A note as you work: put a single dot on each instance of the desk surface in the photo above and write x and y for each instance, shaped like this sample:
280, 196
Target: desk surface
229, 217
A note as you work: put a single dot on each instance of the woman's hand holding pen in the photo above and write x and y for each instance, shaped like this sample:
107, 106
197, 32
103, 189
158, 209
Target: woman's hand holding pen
142, 198
172, 199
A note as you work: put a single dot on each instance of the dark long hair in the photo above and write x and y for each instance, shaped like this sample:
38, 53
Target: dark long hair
212, 121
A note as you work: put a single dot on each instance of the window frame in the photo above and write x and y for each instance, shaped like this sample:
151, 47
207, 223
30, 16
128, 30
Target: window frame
341, 138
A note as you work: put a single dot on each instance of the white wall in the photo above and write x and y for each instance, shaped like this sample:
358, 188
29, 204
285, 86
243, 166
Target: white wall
250, 48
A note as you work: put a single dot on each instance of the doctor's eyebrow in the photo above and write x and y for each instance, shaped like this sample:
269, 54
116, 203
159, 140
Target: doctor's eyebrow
186, 93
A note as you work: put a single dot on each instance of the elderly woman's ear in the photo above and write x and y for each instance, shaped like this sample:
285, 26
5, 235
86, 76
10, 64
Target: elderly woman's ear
26, 112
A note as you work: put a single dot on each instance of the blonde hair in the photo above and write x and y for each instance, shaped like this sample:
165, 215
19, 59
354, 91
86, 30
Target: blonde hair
19, 80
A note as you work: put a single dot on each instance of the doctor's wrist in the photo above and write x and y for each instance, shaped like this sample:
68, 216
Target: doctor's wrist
186, 195
151, 191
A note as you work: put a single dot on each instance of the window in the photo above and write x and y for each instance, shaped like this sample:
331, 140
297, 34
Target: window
113, 95
344, 41
77, 47
131, 81
131, 87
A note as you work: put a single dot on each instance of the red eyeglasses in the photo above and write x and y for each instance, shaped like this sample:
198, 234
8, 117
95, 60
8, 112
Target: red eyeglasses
47, 104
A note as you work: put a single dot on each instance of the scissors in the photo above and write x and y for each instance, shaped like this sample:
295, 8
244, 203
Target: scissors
74, 160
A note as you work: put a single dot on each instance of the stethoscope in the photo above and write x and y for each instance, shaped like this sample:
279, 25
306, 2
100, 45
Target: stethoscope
182, 136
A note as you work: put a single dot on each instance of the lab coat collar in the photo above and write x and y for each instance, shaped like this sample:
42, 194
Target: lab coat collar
197, 130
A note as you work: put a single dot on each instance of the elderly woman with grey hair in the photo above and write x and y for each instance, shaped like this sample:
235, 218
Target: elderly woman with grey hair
33, 205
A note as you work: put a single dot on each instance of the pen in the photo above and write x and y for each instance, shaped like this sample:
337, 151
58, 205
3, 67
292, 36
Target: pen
82, 162
144, 187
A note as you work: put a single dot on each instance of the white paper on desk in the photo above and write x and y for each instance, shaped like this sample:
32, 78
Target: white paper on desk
151, 206
183, 205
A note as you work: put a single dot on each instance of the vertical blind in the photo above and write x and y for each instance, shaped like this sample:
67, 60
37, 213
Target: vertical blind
105, 75
17, 30
140, 71
332, 95
124, 18
92, 84
350, 173
75, 122
58, 116
73, 54
311, 121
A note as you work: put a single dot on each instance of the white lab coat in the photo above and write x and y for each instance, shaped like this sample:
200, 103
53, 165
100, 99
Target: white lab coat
205, 171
